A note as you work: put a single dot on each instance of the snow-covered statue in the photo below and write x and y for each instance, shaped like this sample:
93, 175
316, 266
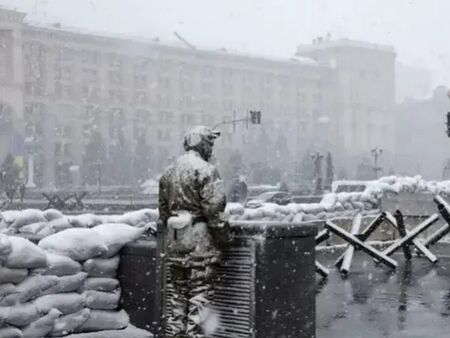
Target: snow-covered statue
191, 204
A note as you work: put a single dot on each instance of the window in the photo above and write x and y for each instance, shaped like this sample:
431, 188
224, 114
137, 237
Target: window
67, 150
90, 57
165, 117
63, 73
90, 75
140, 80
57, 149
65, 54
116, 95
140, 97
115, 60
34, 88
115, 77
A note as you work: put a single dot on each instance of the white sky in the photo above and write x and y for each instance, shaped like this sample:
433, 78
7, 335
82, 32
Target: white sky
418, 29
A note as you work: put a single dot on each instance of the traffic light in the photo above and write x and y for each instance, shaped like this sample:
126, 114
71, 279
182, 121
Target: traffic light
448, 124
255, 116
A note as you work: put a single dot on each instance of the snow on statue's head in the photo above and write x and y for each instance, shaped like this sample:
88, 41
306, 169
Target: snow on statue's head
201, 139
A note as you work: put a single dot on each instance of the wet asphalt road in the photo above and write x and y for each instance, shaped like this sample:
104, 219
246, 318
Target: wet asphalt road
374, 302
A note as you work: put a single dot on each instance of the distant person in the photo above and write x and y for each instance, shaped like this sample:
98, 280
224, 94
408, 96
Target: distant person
239, 190
284, 187
191, 205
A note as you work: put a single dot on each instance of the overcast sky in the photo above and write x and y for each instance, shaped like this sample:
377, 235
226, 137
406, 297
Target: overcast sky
418, 29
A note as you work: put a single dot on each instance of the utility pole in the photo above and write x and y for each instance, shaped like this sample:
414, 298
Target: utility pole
448, 117
99, 176
376, 153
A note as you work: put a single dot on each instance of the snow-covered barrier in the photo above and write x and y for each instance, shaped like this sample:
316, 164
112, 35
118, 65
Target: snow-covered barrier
66, 284
338, 205
343, 204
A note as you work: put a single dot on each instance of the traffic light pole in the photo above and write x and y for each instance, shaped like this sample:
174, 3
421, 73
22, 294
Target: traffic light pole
229, 122
254, 117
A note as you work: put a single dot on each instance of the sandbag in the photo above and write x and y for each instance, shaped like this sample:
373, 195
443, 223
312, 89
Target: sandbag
100, 284
15, 276
58, 265
26, 217
33, 228
41, 327
105, 320
66, 303
25, 254
116, 235
7, 289
3, 226
30, 288
9, 216
137, 218
55, 226
78, 244
67, 324
99, 300
52, 214
20, 315
129, 332
67, 284
10, 332
5, 247
85, 221
102, 267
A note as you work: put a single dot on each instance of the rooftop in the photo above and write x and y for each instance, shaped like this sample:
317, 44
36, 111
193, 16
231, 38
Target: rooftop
176, 43
321, 44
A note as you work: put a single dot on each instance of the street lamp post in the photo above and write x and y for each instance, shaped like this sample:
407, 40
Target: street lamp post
448, 117
29, 144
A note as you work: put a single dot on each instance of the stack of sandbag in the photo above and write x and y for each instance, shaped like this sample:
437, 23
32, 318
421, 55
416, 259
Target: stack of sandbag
66, 285
92, 284
19, 289
34, 223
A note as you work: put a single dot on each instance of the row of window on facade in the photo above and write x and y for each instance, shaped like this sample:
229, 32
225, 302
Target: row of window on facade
163, 100
185, 71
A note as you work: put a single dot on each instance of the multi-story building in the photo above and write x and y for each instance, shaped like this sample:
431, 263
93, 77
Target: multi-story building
423, 148
70, 97
358, 98
64, 84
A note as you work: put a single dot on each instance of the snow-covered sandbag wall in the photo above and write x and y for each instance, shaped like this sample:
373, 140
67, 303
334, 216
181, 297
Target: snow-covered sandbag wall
342, 204
66, 284
39, 224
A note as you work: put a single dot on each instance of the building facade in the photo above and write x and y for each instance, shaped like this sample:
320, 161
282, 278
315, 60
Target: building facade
358, 99
423, 147
93, 109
